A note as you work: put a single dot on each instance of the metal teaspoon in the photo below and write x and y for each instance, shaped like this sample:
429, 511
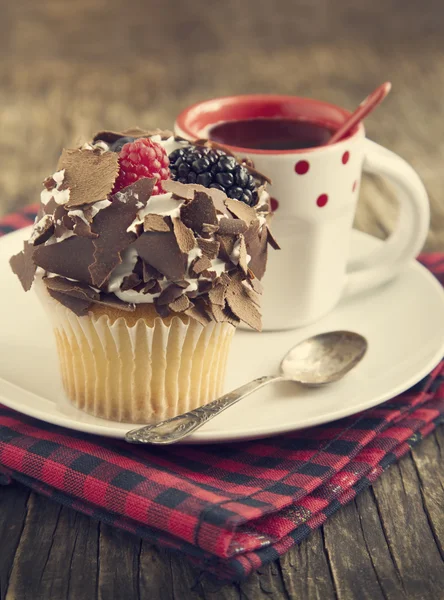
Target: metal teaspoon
316, 361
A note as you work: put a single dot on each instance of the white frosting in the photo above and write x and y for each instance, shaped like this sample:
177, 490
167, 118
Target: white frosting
170, 144
162, 204
60, 196
194, 253
263, 198
39, 226
78, 213
97, 206
64, 236
218, 266
103, 146
129, 259
235, 253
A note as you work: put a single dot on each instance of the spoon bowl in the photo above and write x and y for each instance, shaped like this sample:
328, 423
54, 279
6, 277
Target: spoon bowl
324, 358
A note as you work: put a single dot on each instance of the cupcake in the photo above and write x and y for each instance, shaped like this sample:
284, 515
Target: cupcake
146, 253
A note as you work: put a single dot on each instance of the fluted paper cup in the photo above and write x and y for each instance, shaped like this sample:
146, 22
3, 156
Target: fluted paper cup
138, 367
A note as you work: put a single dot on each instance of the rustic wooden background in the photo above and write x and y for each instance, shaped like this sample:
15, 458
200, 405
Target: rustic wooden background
70, 68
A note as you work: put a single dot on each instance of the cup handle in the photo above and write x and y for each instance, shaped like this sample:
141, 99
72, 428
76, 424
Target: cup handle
412, 227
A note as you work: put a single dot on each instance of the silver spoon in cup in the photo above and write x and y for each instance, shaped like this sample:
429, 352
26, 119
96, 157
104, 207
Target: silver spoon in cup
316, 361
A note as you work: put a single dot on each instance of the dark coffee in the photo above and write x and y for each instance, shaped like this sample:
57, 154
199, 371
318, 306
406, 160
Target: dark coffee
271, 134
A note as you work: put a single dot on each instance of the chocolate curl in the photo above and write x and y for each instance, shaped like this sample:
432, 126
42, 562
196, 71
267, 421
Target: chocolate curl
111, 225
241, 305
90, 176
198, 212
22, 264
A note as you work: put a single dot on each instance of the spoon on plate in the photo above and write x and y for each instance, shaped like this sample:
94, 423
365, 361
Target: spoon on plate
316, 361
363, 110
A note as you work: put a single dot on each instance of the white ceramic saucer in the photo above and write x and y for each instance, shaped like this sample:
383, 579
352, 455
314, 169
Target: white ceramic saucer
403, 322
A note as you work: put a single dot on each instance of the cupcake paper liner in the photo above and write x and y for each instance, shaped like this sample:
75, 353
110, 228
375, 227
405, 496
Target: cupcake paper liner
138, 371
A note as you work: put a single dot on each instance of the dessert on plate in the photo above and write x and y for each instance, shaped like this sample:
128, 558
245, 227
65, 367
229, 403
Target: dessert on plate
146, 253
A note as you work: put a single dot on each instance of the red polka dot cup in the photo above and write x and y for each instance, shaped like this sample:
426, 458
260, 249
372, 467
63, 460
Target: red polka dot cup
314, 194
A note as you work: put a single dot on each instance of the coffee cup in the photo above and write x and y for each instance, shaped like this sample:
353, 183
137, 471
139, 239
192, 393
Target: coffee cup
314, 192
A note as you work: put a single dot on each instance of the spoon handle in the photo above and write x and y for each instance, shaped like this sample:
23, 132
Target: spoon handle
177, 428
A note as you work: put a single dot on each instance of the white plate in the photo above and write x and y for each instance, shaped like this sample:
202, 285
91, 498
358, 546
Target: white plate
403, 322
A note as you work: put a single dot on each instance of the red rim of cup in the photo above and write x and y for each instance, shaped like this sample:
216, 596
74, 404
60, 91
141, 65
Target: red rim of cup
195, 119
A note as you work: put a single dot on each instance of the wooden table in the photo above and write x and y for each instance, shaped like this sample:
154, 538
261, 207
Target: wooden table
69, 69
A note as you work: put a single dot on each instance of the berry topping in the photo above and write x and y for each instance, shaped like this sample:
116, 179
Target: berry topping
118, 144
142, 158
213, 168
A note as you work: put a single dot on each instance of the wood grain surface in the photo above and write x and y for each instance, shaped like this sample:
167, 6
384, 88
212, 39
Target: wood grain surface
70, 68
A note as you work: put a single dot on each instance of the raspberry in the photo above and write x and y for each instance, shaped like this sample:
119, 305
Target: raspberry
142, 158
213, 168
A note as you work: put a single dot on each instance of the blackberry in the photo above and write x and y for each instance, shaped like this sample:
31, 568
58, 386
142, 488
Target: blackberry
213, 168
118, 144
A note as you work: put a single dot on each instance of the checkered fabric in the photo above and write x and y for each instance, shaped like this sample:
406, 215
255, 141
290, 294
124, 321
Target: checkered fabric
233, 507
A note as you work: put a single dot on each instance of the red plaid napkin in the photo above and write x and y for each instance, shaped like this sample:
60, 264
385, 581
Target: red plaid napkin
231, 508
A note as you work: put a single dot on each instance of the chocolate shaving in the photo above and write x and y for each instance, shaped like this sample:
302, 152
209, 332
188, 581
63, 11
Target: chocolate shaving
184, 236
254, 296
149, 272
23, 266
209, 228
69, 258
89, 176
130, 282
226, 246
224, 279
256, 285
181, 304
162, 309
113, 302
88, 213
112, 223
154, 222
240, 303
50, 183
62, 222
218, 313
152, 287
169, 294
210, 248
209, 274
200, 265
42, 230
217, 294
182, 283
271, 239
241, 210
161, 251
257, 248
195, 313
77, 305
49, 208
199, 211
187, 192
224, 315
232, 226
76, 289
83, 229
204, 286
112, 136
